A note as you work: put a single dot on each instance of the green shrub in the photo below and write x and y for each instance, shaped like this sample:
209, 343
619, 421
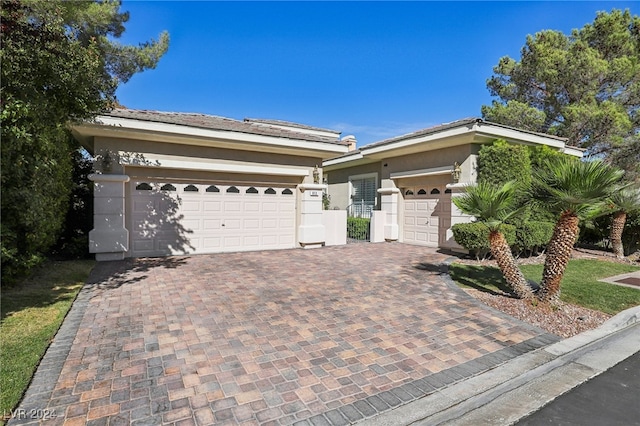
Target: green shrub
358, 227
532, 236
475, 237
501, 162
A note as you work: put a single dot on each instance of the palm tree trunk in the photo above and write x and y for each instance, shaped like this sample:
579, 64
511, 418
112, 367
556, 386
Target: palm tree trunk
617, 226
559, 251
501, 251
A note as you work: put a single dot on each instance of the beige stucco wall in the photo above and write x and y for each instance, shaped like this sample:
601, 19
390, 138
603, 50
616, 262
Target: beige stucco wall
427, 160
339, 186
145, 155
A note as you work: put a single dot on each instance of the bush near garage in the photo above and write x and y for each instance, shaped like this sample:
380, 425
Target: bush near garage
358, 227
532, 237
475, 237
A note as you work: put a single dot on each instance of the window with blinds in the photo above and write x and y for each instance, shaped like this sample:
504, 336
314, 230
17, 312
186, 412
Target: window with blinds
364, 190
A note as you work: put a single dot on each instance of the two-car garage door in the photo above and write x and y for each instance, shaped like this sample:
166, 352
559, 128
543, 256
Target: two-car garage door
178, 218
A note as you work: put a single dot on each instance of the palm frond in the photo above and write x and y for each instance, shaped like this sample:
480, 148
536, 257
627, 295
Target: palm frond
575, 186
488, 203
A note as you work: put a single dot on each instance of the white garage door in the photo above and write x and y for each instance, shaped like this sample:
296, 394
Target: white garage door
427, 215
177, 218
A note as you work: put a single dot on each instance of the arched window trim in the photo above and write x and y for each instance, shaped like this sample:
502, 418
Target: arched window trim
143, 186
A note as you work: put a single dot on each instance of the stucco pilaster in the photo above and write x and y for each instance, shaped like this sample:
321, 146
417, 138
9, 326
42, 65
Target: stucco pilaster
389, 204
457, 189
311, 230
109, 239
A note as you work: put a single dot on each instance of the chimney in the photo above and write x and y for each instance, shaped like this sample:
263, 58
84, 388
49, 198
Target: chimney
350, 141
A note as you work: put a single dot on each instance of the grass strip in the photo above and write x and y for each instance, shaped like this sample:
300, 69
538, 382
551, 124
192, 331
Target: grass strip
31, 313
580, 285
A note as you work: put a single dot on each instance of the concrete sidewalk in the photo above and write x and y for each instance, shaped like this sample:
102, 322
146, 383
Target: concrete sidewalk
521, 386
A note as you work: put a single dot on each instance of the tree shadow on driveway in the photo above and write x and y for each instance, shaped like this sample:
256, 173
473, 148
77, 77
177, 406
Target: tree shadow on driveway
115, 274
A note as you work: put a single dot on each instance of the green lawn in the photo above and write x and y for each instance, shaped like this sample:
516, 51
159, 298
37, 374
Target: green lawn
580, 285
31, 314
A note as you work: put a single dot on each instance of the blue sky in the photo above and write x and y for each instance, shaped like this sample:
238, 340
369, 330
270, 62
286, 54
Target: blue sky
372, 69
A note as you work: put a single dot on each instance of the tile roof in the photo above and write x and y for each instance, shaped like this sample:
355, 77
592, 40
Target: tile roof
452, 125
212, 122
289, 124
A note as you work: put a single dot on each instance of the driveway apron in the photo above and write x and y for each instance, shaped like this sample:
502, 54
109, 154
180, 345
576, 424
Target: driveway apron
326, 336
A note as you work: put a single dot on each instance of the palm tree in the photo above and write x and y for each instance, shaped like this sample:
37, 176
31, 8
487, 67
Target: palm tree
624, 201
571, 189
492, 205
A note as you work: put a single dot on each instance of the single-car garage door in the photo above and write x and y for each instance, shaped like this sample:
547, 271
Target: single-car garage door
177, 218
427, 215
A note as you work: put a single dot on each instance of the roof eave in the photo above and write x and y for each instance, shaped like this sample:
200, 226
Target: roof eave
108, 126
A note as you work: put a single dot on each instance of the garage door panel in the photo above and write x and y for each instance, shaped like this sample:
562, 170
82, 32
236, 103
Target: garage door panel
251, 224
252, 207
232, 206
270, 207
212, 224
197, 221
212, 206
422, 220
191, 205
212, 243
190, 224
270, 223
286, 207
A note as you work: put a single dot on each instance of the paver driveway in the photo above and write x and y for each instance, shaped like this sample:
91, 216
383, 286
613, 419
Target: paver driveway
325, 336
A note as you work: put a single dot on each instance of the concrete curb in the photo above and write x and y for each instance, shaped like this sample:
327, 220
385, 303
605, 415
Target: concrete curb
523, 385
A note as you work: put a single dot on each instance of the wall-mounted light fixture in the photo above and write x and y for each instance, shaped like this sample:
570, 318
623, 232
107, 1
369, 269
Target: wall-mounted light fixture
106, 162
316, 174
456, 172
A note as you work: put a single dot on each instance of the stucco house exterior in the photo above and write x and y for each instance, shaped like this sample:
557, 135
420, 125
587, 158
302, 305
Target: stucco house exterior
176, 183
180, 183
412, 178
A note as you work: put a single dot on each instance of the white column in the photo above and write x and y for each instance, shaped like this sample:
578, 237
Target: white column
389, 204
109, 239
311, 231
457, 189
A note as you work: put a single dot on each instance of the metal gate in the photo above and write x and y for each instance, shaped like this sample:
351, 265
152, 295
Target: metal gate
359, 222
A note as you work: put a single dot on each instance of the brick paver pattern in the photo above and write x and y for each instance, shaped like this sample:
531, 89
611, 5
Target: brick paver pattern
272, 337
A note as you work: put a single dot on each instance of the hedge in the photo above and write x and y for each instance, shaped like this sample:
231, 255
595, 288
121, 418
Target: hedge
532, 236
475, 237
358, 227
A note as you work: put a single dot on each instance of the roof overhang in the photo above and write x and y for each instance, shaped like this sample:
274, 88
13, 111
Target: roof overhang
126, 128
446, 136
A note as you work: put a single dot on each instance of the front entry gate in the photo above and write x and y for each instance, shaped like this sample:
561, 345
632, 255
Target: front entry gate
359, 222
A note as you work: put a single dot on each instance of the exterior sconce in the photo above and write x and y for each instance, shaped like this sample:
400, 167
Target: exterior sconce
316, 175
456, 172
106, 162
